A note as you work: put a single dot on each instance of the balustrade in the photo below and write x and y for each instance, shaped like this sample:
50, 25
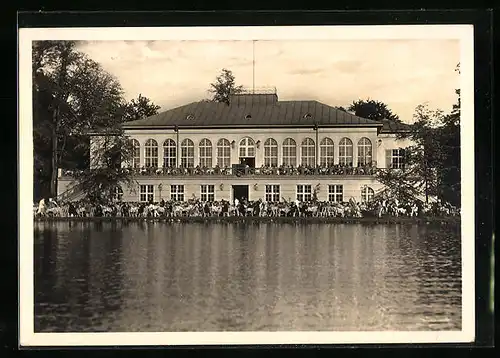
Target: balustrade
238, 171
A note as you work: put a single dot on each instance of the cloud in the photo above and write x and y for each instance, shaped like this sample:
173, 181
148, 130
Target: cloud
306, 71
399, 73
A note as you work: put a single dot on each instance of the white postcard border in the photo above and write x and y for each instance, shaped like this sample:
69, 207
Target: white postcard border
464, 33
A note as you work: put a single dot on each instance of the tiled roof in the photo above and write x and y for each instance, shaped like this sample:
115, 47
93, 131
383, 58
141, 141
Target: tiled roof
393, 126
207, 114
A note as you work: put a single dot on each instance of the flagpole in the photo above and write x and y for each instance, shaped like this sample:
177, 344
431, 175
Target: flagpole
253, 66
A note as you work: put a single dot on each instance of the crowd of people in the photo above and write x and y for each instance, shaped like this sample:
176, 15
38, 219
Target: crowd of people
336, 169
244, 208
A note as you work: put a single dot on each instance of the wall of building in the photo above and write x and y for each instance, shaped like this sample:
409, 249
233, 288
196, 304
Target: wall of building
352, 186
389, 142
258, 135
223, 186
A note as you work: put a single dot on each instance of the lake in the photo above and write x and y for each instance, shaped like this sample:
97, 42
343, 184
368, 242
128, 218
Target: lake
165, 277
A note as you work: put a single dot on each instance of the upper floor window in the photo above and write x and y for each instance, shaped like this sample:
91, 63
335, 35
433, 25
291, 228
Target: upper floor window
169, 153
364, 151
223, 153
395, 158
289, 152
187, 153
136, 153
326, 149
308, 152
205, 153
271, 152
247, 147
151, 153
345, 151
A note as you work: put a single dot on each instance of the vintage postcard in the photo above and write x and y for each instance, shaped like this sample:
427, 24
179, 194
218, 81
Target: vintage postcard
246, 185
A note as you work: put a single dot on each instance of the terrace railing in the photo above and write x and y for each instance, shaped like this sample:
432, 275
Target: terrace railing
239, 171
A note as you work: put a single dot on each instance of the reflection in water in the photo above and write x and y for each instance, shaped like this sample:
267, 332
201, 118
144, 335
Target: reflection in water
255, 277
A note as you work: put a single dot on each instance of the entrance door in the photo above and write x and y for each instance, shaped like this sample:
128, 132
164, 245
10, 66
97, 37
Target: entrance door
240, 192
250, 161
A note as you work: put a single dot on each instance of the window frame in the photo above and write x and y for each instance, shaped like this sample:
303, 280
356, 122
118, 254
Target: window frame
324, 157
399, 158
223, 160
177, 195
302, 194
151, 153
136, 153
146, 193
169, 160
272, 193
306, 158
346, 145
289, 152
367, 194
365, 152
187, 153
247, 147
271, 159
117, 193
205, 148
204, 191
335, 193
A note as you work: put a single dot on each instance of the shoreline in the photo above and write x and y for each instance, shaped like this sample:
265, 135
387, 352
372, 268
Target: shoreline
247, 219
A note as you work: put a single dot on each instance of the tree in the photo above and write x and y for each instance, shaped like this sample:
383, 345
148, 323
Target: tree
372, 109
224, 86
433, 162
110, 149
421, 159
139, 108
71, 94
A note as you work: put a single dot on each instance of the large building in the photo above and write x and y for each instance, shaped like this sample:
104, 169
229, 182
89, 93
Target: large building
247, 150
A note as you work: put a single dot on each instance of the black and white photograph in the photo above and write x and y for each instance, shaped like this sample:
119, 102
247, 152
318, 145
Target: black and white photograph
246, 185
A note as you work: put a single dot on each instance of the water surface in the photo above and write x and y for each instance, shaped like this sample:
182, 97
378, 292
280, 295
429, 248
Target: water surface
146, 276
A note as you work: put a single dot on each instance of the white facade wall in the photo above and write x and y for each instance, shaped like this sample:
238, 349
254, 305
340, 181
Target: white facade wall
299, 134
352, 185
223, 187
386, 142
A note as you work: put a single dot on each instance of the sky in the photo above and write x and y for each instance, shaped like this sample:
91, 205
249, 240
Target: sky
400, 73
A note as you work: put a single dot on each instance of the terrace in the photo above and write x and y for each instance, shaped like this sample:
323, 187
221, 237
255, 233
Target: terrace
244, 171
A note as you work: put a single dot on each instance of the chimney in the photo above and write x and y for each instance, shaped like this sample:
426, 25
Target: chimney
257, 97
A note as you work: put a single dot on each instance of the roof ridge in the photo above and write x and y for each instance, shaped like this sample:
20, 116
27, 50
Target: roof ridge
289, 113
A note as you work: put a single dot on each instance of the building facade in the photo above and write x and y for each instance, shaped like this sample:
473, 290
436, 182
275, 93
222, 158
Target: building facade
257, 148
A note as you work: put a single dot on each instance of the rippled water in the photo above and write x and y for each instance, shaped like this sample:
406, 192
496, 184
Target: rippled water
130, 277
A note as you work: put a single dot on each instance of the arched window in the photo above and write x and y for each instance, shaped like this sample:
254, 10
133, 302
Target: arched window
169, 153
308, 152
364, 151
366, 194
247, 147
345, 151
223, 153
289, 152
326, 152
187, 153
205, 153
136, 153
151, 154
271, 152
